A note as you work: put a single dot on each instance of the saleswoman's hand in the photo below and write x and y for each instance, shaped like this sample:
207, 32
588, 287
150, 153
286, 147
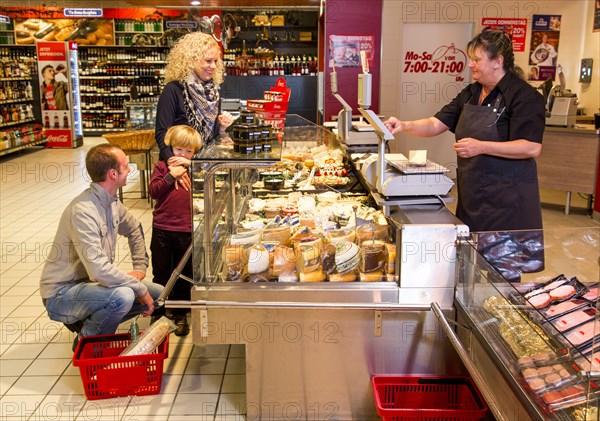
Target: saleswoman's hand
393, 125
468, 147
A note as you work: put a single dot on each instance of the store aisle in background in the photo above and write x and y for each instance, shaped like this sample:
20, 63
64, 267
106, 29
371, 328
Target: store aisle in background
37, 380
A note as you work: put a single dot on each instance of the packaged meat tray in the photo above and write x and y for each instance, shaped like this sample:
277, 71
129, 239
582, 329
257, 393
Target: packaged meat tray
592, 294
573, 319
582, 336
557, 310
556, 290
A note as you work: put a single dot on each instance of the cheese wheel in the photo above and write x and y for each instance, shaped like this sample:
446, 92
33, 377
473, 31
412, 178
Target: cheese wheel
344, 234
245, 238
376, 276
346, 256
315, 276
343, 277
391, 266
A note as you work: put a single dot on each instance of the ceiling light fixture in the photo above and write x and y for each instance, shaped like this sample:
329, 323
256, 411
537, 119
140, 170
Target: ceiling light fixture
195, 3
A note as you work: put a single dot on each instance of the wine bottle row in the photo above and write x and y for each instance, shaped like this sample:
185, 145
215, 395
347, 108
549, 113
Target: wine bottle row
94, 54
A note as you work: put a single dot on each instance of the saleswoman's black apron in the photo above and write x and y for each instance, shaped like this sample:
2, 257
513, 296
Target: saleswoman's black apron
494, 194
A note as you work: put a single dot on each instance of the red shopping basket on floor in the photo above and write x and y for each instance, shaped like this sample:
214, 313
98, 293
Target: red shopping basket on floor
105, 374
428, 398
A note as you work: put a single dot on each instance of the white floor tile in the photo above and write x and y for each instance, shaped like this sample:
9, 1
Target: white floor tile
60, 407
155, 405
171, 383
68, 385
231, 404
13, 367
195, 404
234, 383
206, 366
236, 366
6, 383
200, 383
19, 406
35, 385
20, 351
104, 409
47, 367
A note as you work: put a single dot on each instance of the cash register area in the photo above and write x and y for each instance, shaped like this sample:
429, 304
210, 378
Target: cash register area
37, 379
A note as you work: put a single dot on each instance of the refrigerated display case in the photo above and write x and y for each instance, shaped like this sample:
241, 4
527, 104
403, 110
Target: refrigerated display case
534, 338
311, 348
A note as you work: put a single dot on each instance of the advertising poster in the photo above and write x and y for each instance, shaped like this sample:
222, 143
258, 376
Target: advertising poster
514, 28
435, 69
344, 50
545, 36
54, 93
89, 31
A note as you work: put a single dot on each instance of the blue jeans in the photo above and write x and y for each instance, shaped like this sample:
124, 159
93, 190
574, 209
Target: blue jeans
100, 308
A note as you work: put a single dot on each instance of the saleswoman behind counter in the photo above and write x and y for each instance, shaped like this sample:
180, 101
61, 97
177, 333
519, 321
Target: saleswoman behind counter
498, 122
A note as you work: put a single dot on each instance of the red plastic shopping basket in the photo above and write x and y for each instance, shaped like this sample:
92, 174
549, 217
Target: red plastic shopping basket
105, 374
428, 398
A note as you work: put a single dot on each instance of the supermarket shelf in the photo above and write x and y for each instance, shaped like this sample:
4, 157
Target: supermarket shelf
84, 111
108, 77
103, 94
14, 123
8, 79
16, 101
38, 142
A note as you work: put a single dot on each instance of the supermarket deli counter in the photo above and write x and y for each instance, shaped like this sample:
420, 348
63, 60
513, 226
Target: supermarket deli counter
314, 336
535, 338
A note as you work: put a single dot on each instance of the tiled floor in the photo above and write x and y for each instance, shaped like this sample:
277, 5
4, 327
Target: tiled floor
37, 380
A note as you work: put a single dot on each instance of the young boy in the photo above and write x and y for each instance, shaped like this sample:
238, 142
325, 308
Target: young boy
172, 217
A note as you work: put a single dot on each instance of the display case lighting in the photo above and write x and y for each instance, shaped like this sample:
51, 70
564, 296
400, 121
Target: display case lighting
195, 3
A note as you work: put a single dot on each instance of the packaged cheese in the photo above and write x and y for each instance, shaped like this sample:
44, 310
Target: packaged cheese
315, 276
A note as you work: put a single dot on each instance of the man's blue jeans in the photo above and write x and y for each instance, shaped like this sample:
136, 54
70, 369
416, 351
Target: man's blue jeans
100, 308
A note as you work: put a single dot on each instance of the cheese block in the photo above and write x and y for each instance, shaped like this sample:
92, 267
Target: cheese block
284, 260
391, 251
343, 277
308, 256
235, 262
281, 234
251, 237
315, 276
376, 276
258, 259
373, 256
346, 256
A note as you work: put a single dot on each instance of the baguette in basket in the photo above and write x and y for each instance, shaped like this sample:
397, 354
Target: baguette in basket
148, 341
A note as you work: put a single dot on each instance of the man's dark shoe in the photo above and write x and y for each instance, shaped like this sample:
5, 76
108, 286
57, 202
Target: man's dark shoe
182, 325
75, 327
75, 342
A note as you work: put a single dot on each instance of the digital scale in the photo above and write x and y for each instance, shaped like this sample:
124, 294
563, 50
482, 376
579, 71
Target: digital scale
400, 178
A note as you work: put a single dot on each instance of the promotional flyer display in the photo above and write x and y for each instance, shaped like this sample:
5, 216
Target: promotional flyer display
545, 35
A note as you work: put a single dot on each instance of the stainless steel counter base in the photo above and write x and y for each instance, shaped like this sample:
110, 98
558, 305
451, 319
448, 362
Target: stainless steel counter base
316, 363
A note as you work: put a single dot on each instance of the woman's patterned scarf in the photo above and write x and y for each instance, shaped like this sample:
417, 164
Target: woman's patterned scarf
201, 103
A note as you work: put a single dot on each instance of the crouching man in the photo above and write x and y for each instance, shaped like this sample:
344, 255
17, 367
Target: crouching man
81, 285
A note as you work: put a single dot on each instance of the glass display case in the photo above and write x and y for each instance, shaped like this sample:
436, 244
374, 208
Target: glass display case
529, 300
140, 115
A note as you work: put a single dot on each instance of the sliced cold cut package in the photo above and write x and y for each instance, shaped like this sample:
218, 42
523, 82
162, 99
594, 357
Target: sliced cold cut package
571, 320
592, 294
581, 336
554, 291
557, 310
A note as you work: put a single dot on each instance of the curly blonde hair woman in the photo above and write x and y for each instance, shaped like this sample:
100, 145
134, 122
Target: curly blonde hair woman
191, 97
